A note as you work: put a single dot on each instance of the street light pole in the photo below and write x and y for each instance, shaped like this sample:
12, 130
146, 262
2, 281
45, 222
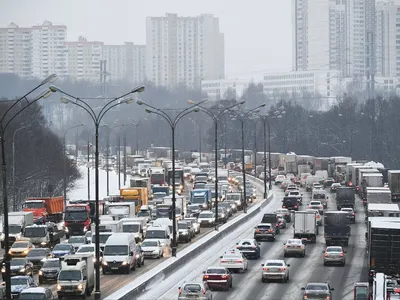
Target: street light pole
172, 123
13, 167
96, 118
107, 162
119, 160
124, 158
3, 127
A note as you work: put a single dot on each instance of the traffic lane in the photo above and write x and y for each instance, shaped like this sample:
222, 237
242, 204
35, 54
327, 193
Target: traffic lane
193, 271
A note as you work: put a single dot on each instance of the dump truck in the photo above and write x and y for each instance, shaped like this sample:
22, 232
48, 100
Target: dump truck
305, 226
336, 228
138, 195
394, 184
45, 209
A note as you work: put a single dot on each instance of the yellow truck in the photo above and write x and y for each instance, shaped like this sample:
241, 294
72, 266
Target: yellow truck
139, 195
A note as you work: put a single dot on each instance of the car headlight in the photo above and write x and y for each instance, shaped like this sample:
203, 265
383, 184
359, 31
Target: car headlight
66, 229
40, 273
223, 216
85, 229
58, 287
80, 286
43, 259
3, 270
22, 270
26, 251
184, 233
137, 256
105, 263
43, 243
94, 259
125, 263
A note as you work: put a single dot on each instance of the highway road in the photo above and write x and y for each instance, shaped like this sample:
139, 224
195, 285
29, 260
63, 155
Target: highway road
302, 270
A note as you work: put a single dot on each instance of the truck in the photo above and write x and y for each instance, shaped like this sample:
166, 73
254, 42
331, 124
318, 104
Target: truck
45, 209
76, 277
179, 180
77, 219
349, 173
44, 236
383, 210
160, 189
310, 181
336, 228
378, 195
345, 197
119, 210
17, 222
157, 175
305, 226
394, 184
137, 195
202, 197
136, 226
383, 248
302, 169
106, 229
370, 180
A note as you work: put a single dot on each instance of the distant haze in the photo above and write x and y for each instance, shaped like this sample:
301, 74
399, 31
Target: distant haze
258, 37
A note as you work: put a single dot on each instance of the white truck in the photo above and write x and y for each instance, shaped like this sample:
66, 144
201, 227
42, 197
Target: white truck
309, 182
76, 277
305, 226
120, 210
378, 195
106, 229
137, 226
394, 184
17, 222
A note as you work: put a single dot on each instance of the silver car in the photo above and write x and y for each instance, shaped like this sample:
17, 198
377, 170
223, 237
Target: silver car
294, 247
206, 218
195, 290
334, 255
275, 270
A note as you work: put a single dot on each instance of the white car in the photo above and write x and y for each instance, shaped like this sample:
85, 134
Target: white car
316, 204
206, 218
275, 269
152, 248
233, 260
294, 247
89, 248
318, 217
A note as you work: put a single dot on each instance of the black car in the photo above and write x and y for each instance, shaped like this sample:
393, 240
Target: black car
222, 214
19, 266
50, 269
328, 182
20, 283
290, 203
317, 290
37, 255
227, 207
139, 256
193, 210
249, 248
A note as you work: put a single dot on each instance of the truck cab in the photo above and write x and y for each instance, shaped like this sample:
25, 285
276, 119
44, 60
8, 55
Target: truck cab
136, 226
201, 197
120, 210
17, 222
46, 236
77, 219
76, 277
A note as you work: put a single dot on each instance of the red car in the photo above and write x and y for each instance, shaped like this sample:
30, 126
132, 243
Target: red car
218, 278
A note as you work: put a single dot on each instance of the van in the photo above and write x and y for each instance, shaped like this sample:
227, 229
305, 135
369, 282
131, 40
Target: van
160, 233
136, 226
119, 253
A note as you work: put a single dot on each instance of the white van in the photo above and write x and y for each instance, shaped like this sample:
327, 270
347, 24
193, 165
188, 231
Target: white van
160, 233
167, 222
119, 253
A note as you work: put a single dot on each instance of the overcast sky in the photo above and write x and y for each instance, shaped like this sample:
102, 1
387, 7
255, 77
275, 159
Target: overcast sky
258, 37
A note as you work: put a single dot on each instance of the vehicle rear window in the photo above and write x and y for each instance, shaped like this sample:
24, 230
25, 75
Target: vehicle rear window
264, 227
315, 287
246, 243
216, 271
294, 242
192, 288
232, 257
274, 264
315, 203
336, 249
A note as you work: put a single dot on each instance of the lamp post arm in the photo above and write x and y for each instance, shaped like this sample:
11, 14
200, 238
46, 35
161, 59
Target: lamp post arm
160, 113
87, 110
181, 115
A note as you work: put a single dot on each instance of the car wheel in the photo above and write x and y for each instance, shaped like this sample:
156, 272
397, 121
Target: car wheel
284, 254
263, 280
304, 254
325, 264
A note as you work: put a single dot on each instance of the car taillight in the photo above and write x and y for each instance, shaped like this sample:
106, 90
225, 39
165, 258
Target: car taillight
283, 269
286, 246
305, 296
283, 206
239, 261
270, 230
326, 254
180, 291
342, 254
265, 269
310, 206
254, 247
295, 206
257, 230
204, 291
223, 260
352, 213
298, 246
328, 298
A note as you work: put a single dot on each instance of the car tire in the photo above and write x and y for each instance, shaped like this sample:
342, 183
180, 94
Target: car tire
263, 280
284, 254
325, 264
304, 254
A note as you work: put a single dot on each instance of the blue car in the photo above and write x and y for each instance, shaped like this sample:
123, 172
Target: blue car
60, 250
20, 283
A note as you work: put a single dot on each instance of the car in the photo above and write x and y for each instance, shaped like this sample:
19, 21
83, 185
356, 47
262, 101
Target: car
316, 204
77, 241
290, 203
89, 248
152, 249
42, 293
264, 231
139, 256
317, 186
50, 269
194, 290
275, 269
328, 182
294, 247
60, 250
185, 231
297, 194
334, 255
281, 221
321, 290
285, 184
19, 266
279, 179
37, 255
227, 207
233, 205
20, 283
193, 210
285, 213
222, 215
218, 277
249, 248
289, 188
351, 214
20, 248
317, 217
206, 218
233, 260
195, 224
335, 186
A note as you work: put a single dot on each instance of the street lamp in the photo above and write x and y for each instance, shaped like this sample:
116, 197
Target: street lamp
65, 160
242, 119
97, 121
172, 123
13, 166
216, 118
3, 127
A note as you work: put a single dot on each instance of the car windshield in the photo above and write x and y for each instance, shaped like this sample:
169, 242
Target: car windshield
274, 264
334, 249
20, 245
149, 244
317, 287
205, 215
294, 193
86, 249
35, 232
14, 229
62, 247
51, 264
32, 296
130, 228
19, 281
294, 242
17, 262
69, 275
233, 197
193, 207
156, 234
116, 250
183, 226
102, 238
216, 271
192, 288
263, 227
318, 196
37, 252
143, 213
76, 240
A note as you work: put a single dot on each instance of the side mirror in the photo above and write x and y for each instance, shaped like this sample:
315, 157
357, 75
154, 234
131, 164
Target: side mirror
332, 289
179, 288
259, 244
220, 257
323, 251
204, 272
131, 253
303, 288
262, 265
345, 251
84, 277
288, 265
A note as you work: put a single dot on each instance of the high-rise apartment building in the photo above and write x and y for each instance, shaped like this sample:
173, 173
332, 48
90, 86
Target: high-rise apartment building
84, 59
15, 50
184, 50
49, 51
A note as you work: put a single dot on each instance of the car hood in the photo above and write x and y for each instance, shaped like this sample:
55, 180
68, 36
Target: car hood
35, 258
18, 288
149, 248
60, 252
50, 269
16, 267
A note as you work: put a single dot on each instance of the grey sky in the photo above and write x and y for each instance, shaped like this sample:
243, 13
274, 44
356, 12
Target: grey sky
258, 35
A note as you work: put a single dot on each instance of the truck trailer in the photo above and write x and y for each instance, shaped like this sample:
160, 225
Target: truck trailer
394, 184
305, 226
336, 228
345, 197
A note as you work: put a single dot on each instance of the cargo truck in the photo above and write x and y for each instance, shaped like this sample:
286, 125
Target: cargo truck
349, 173
383, 210
305, 226
202, 197
77, 219
119, 210
394, 184
354, 175
44, 236
301, 169
45, 209
137, 195
370, 180
17, 222
345, 197
76, 277
378, 195
336, 228
383, 248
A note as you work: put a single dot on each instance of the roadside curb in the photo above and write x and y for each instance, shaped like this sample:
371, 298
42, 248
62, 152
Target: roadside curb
143, 282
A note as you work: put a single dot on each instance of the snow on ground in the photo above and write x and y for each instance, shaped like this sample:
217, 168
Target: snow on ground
80, 191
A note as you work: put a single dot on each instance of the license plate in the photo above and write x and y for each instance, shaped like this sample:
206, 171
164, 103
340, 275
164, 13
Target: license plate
114, 268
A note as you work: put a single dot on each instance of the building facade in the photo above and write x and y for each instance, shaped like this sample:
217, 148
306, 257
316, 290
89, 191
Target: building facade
224, 89
184, 50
